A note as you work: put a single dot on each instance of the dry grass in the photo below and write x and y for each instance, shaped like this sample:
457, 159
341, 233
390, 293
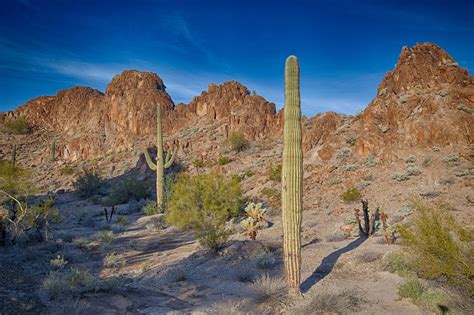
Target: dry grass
268, 289
329, 303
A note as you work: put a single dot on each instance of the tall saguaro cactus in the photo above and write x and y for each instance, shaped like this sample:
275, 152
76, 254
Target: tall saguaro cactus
292, 176
53, 150
161, 164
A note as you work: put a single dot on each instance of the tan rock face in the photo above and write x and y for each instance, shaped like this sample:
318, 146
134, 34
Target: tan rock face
417, 106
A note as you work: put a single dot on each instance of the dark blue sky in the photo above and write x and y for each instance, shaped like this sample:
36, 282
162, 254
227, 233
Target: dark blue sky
344, 47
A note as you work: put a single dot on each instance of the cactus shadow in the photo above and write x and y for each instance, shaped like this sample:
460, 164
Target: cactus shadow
328, 263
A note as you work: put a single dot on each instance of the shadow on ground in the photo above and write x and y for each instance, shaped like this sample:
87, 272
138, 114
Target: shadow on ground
328, 263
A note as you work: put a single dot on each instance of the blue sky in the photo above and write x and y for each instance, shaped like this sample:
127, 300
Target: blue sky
344, 47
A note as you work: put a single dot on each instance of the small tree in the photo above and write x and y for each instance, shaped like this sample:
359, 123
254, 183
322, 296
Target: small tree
203, 203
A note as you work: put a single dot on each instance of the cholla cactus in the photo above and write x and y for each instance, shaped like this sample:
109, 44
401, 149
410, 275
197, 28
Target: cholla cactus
255, 220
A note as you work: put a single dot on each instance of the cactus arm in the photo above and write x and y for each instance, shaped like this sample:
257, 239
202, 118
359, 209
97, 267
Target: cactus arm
292, 177
170, 158
149, 161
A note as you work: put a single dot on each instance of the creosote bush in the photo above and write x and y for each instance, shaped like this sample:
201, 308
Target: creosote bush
18, 126
439, 248
352, 194
237, 142
203, 203
88, 184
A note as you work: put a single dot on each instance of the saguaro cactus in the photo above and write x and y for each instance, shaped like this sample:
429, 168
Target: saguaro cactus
53, 150
14, 155
292, 176
161, 164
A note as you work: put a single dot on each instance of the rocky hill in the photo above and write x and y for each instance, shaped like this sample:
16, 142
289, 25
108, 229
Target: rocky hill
424, 107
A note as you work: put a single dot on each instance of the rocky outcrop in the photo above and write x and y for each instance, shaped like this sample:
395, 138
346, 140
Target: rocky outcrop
427, 100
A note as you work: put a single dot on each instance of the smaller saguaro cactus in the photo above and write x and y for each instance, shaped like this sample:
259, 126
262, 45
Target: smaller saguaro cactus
161, 163
53, 150
14, 155
255, 220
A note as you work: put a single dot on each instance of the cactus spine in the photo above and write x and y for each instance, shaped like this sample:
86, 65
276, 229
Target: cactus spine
14, 155
161, 164
53, 150
292, 176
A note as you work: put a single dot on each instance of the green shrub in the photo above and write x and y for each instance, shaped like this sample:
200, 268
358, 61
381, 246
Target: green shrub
150, 208
223, 160
395, 263
439, 248
122, 220
88, 184
274, 172
67, 170
105, 237
198, 163
18, 126
411, 289
352, 194
129, 189
334, 181
237, 142
249, 173
203, 203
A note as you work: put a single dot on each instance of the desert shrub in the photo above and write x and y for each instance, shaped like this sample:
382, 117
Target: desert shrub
265, 260
395, 263
223, 160
337, 236
230, 307
351, 194
351, 140
420, 295
203, 203
255, 219
67, 170
82, 243
439, 248
15, 180
334, 181
426, 161
413, 170
150, 208
40, 215
274, 172
274, 196
368, 256
113, 260
343, 153
371, 161
269, 289
88, 184
198, 163
248, 173
410, 159
237, 142
400, 177
18, 126
58, 283
58, 263
344, 302
451, 158
129, 189
122, 220
350, 167
105, 237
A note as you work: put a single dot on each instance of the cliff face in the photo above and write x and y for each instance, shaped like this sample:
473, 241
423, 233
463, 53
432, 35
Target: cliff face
423, 102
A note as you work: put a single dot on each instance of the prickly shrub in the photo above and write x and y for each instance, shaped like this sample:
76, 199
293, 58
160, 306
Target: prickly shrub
255, 219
